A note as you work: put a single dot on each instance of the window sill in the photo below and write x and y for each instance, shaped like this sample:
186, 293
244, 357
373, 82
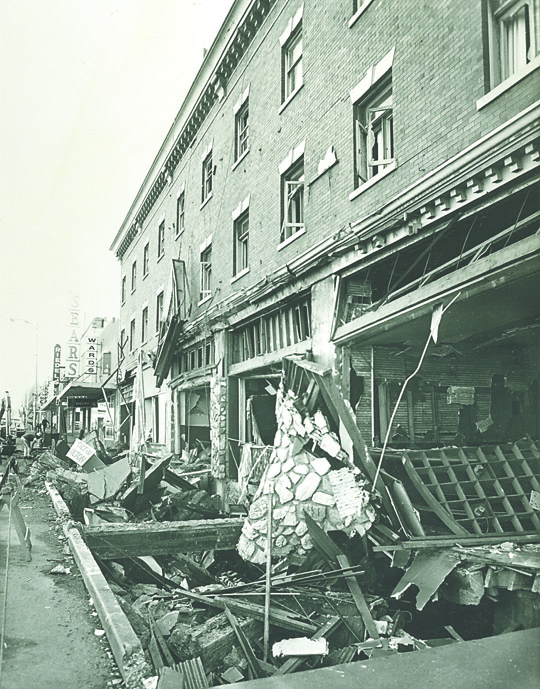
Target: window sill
203, 204
145, 276
290, 239
204, 300
179, 234
359, 12
366, 185
289, 98
508, 83
160, 257
133, 290
239, 160
239, 275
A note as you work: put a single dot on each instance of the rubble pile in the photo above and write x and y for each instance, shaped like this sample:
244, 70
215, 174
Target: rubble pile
324, 568
303, 482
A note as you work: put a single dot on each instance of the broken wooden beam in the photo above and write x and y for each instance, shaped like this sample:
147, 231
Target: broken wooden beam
279, 618
120, 540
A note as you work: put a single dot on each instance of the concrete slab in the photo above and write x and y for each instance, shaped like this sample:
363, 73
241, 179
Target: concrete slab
497, 662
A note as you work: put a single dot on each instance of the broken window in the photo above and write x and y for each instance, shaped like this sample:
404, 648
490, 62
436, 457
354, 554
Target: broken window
269, 333
159, 310
144, 324
241, 243
374, 132
161, 239
292, 193
207, 173
206, 273
514, 29
132, 329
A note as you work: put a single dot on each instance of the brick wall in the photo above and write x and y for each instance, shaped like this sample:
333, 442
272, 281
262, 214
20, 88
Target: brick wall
438, 75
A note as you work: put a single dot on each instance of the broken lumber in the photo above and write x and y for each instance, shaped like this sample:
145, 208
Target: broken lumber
279, 618
119, 540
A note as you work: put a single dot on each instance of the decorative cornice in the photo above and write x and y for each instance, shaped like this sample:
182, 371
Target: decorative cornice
208, 87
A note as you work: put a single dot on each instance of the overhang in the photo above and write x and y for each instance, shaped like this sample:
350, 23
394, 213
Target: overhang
89, 391
492, 295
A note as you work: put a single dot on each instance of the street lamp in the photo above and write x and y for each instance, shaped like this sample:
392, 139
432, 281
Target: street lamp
36, 326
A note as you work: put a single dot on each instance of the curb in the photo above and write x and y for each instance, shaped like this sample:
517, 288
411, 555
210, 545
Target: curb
125, 644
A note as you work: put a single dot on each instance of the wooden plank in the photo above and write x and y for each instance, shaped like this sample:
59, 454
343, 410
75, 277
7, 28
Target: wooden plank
131, 539
245, 646
431, 501
277, 617
131, 499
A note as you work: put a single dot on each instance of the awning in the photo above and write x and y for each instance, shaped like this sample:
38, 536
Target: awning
90, 391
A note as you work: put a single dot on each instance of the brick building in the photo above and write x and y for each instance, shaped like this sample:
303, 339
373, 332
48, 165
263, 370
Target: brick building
338, 176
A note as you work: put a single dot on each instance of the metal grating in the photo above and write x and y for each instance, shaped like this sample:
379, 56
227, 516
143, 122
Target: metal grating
479, 490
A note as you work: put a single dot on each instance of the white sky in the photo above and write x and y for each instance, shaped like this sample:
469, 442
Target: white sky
89, 89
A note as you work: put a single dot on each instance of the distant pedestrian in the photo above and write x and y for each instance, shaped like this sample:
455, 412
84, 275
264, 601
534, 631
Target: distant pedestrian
44, 424
29, 439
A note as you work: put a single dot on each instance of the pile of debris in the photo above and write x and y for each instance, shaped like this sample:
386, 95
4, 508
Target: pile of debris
335, 560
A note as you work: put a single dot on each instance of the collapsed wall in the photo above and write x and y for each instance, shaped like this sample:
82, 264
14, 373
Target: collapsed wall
308, 473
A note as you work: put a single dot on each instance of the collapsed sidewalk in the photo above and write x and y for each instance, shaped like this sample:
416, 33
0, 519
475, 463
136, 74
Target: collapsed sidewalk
336, 558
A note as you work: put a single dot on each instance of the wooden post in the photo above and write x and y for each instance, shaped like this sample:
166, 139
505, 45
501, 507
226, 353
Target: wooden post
268, 571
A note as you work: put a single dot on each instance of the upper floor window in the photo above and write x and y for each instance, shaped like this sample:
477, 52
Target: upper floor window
207, 174
122, 341
123, 290
134, 276
241, 143
132, 331
292, 195
159, 310
514, 37
292, 63
161, 239
374, 132
144, 324
146, 258
180, 212
206, 273
241, 241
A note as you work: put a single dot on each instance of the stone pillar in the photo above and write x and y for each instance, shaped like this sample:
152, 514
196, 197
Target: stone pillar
218, 426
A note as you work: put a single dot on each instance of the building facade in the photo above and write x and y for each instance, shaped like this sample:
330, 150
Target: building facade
352, 182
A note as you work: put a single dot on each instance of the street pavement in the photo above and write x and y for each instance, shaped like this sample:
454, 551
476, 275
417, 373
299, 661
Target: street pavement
47, 622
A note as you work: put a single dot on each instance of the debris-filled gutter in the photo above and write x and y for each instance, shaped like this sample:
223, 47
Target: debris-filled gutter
325, 569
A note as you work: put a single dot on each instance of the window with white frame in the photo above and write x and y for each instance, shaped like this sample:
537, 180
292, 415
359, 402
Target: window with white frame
206, 273
180, 212
292, 63
207, 174
292, 195
144, 324
241, 125
241, 243
122, 342
123, 290
514, 37
159, 310
146, 259
161, 239
374, 132
132, 330
134, 276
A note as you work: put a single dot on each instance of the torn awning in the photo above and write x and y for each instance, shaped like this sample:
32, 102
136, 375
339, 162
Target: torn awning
165, 351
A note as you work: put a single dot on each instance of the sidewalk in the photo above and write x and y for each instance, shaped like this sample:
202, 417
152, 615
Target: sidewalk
49, 639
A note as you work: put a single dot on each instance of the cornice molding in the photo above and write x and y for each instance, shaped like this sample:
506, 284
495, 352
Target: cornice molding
230, 45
